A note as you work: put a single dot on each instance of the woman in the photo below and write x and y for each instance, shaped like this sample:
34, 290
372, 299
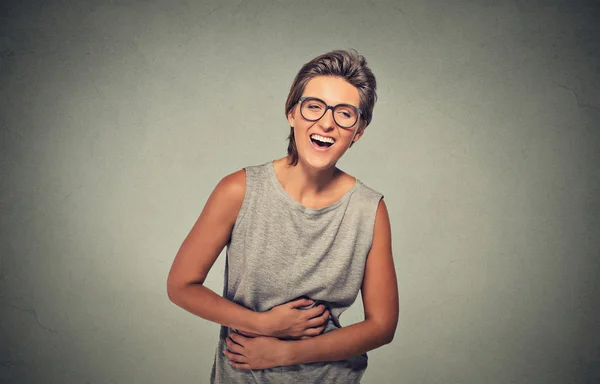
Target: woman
302, 238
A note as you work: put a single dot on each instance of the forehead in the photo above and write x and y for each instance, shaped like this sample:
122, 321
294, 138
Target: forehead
332, 90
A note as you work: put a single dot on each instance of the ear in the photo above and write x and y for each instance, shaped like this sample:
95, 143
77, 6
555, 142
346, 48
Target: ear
359, 133
290, 117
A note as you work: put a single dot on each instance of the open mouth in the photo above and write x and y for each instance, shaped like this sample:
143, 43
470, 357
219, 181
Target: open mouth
322, 141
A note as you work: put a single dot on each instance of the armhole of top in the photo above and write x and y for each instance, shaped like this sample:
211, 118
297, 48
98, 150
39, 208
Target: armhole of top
378, 197
243, 207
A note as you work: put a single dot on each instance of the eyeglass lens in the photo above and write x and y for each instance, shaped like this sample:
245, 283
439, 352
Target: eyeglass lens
344, 115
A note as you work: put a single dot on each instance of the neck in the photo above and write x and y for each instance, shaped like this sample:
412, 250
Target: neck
305, 181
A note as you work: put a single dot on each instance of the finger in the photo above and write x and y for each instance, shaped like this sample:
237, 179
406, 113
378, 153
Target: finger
243, 366
301, 303
312, 332
233, 347
248, 334
237, 338
315, 322
321, 317
313, 312
235, 357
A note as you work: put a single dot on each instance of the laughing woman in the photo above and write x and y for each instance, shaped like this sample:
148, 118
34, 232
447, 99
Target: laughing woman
303, 238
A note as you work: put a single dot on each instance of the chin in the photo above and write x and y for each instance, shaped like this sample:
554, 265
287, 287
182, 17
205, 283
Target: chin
319, 164
318, 160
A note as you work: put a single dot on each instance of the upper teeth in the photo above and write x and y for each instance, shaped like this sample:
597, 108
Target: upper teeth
323, 138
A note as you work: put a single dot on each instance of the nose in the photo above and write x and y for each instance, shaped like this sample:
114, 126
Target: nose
326, 122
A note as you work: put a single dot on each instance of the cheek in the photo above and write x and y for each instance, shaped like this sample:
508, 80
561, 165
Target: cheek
297, 133
300, 125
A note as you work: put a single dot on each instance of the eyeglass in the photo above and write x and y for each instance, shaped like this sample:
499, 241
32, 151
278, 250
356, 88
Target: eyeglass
344, 115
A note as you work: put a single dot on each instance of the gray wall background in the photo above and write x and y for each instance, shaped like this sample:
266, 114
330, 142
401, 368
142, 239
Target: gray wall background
119, 118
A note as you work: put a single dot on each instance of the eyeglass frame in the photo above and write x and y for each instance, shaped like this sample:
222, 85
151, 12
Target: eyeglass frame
328, 107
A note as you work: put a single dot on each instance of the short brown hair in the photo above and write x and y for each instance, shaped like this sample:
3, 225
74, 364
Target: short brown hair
348, 65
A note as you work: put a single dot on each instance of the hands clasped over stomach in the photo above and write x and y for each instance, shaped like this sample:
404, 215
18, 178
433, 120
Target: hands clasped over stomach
298, 319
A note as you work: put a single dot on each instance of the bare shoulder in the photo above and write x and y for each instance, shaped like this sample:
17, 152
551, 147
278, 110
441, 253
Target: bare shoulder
225, 200
382, 211
382, 232
233, 186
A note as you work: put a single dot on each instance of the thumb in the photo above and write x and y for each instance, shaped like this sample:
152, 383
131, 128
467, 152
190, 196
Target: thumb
304, 302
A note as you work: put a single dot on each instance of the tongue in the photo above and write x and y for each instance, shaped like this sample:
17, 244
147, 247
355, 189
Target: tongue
321, 143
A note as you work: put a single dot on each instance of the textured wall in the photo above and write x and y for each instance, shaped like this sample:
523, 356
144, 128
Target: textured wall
118, 119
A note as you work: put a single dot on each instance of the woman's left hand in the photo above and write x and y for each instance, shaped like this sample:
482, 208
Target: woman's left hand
254, 352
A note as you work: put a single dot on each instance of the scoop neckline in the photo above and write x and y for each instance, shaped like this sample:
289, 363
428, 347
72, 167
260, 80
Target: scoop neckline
295, 204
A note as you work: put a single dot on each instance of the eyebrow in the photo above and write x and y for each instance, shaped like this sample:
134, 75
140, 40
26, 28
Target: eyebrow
330, 105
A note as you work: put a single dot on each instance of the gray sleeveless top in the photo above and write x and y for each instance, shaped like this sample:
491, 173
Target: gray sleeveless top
281, 250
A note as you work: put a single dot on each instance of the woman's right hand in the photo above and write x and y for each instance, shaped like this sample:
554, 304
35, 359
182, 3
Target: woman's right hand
290, 321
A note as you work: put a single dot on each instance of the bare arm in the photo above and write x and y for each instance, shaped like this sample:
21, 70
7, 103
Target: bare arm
380, 300
209, 235
198, 253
